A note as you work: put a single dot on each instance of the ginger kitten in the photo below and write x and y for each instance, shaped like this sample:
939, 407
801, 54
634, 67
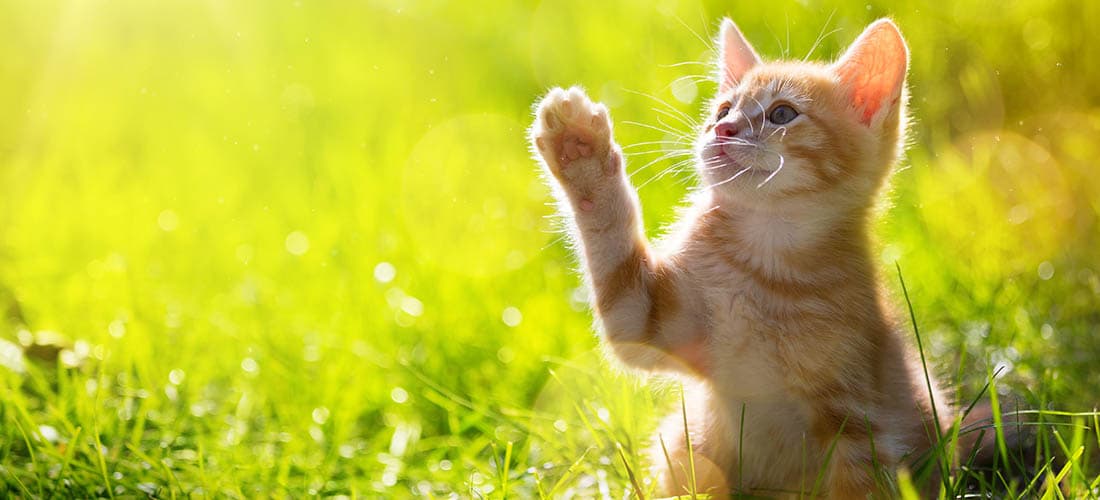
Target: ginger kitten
766, 296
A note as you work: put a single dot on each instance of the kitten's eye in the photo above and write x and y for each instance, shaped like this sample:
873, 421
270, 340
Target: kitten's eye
782, 114
722, 112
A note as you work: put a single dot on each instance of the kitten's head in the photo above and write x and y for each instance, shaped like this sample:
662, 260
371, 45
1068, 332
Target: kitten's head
788, 130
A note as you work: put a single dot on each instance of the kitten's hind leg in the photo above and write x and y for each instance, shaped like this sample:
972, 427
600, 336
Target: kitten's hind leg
645, 304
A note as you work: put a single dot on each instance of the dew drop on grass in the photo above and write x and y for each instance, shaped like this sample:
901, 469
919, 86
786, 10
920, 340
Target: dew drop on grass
250, 365
603, 414
511, 316
561, 425
384, 272
320, 415
399, 395
297, 243
49, 433
176, 376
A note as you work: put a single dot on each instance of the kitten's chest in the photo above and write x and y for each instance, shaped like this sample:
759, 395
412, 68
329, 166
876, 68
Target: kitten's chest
744, 342
739, 304
751, 328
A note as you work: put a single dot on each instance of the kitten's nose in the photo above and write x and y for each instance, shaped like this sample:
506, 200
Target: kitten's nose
725, 129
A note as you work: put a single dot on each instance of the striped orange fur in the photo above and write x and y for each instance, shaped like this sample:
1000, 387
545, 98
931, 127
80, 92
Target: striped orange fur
766, 300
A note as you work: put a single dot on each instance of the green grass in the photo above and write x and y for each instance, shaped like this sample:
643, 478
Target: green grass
300, 248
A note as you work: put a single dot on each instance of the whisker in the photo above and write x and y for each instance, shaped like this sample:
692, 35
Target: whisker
664, 154
778, 129
662, 102
685, 63
653, 162
782, 161
672, 168
706, 43
682, 119
737, 141
734, 176
668, 131
653, 143
696, 78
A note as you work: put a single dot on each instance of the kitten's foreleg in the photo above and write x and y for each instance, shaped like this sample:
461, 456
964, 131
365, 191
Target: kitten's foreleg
643, 301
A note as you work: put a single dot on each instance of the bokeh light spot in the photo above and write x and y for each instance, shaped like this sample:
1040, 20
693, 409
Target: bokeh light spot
168, 221
297, 243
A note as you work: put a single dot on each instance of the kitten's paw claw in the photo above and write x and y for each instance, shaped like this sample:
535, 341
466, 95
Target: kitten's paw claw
573, 135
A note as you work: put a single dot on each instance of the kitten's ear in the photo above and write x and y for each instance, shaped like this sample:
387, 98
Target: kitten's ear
872, 71
736, 56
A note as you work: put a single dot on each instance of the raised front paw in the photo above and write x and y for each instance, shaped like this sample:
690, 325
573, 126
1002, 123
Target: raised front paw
573, 135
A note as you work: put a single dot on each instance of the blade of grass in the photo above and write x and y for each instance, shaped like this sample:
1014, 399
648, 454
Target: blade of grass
741, 451
22, 487
998, 425
30, 452
568, 473
828, 458
504, 473
1035, 480
1052, 484
687, 440
630, 473
102, 461
905, 485
927, 378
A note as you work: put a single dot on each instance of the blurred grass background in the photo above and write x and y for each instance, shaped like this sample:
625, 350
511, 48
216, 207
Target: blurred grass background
300, 248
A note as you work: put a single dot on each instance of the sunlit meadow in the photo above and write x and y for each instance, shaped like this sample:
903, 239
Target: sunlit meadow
297, 248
